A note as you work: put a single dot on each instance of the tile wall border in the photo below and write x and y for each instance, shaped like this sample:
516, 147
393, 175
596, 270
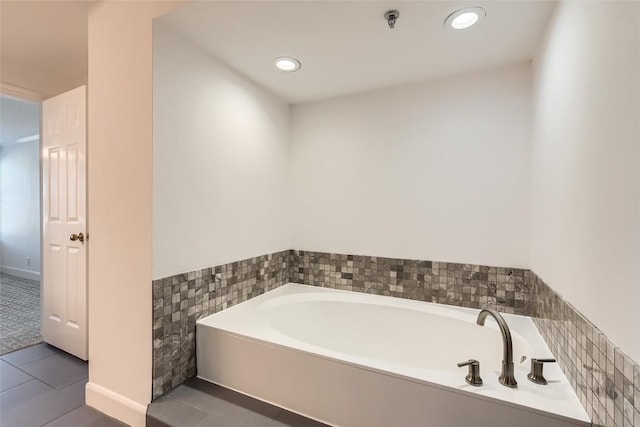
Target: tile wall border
180, 300
605, 379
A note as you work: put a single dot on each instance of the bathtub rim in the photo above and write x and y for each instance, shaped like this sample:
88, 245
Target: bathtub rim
464, 392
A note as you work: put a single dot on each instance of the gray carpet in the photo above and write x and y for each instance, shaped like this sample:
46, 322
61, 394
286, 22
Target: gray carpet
19, 313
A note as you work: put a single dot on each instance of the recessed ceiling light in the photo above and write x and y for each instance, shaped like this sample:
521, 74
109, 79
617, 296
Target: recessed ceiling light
465, 18
287, 64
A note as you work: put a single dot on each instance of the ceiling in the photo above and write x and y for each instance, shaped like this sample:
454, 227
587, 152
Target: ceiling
346, 46
43, 38
18, 119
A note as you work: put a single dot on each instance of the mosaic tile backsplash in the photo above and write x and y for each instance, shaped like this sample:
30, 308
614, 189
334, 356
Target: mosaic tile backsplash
178, 301
466, 285
606, 380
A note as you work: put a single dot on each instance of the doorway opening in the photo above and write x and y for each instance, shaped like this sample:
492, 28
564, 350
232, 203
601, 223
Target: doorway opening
20, 229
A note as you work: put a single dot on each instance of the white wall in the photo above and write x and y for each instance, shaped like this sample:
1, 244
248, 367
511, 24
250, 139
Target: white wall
438, 170
20, 209
120, 206
586, 163
220, 162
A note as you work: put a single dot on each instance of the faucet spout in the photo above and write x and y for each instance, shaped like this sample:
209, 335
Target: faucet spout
507, 376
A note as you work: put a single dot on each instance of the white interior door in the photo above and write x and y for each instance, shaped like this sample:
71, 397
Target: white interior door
64, 239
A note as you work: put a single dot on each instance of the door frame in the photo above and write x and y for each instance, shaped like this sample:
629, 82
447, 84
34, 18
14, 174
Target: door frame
7, 89
25, 94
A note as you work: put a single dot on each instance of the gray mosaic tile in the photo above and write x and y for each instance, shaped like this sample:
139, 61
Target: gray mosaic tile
178, 301
603, 376
467, 285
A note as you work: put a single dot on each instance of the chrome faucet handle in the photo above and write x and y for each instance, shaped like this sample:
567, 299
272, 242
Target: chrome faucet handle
473, 377
535, 376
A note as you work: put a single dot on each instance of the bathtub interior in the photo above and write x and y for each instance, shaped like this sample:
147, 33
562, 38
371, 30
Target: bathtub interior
384, 333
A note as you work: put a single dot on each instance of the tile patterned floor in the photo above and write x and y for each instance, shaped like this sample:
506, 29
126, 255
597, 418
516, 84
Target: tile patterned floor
19, 313
43, 386
198, 403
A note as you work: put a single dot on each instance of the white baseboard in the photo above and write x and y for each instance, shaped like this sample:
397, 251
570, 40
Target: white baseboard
115, 405
19, 272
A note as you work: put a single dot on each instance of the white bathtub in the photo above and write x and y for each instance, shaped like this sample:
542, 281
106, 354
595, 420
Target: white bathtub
351, 359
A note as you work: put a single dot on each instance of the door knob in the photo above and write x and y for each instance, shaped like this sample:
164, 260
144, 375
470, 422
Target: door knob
75, 237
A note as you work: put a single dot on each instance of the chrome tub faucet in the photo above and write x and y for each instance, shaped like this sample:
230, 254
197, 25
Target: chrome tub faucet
506, 377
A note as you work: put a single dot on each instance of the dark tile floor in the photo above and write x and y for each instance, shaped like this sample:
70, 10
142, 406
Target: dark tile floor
198, 403
43, 386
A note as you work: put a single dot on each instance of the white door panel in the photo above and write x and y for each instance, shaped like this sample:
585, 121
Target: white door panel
64, 278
